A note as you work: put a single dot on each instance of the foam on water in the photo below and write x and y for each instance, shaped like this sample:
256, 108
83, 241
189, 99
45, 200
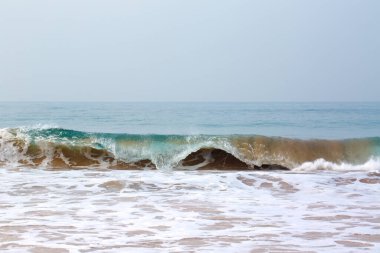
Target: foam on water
322, 164
152, 211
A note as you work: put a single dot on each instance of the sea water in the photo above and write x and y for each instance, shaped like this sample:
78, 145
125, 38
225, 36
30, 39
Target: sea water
67, 182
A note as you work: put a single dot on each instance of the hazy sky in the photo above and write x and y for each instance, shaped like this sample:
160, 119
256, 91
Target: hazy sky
190, 50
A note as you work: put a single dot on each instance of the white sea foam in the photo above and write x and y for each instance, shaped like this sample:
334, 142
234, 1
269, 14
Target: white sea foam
153, 211
322, 164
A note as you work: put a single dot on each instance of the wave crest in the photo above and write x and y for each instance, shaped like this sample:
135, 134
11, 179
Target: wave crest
64, 148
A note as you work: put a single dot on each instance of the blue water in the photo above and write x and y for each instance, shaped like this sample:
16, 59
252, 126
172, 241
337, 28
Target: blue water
294, 120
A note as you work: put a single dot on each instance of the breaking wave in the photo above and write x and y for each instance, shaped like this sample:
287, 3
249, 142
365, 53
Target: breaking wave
54, 147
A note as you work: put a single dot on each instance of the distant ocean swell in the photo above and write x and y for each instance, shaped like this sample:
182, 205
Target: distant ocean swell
64, 148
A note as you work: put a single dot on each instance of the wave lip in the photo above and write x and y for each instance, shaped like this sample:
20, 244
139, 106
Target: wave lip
64, 148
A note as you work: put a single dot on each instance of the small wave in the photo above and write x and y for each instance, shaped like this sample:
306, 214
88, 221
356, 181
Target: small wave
39, 127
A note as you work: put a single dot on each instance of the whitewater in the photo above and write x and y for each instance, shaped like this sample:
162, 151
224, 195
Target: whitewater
189, 177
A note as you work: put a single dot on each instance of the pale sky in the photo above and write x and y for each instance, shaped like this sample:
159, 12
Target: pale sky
190, 50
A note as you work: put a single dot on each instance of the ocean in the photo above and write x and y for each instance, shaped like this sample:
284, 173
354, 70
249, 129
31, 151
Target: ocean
189, 177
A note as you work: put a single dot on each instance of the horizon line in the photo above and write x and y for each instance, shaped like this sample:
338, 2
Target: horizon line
190, 101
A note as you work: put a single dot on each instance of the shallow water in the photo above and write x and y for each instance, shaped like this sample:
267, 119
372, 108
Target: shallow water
188, 211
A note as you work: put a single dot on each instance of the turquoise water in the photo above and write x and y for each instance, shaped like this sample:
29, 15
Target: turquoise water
293, 120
